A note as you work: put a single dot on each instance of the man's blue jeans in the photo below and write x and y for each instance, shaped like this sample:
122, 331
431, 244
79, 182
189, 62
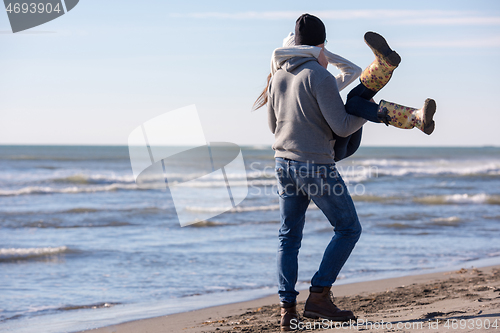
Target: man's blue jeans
298, 183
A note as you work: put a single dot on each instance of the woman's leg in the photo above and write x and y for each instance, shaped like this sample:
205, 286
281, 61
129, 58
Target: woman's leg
361, 91
363, 108
397, 115
373, 78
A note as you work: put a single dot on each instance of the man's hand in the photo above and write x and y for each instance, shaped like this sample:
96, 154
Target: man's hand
322, 59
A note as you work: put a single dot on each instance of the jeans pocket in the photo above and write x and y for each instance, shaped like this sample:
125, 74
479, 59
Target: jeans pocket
279, 176
285, 183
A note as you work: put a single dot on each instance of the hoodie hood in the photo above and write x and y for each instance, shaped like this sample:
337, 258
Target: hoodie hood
293, 63
283, 54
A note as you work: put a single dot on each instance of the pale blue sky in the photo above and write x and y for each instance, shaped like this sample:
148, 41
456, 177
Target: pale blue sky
96, 73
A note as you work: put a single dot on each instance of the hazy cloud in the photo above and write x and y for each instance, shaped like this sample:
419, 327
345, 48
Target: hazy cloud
485, 42
408, 17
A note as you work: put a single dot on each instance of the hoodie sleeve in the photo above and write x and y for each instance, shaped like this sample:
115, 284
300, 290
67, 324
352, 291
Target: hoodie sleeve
348, 71
332, 108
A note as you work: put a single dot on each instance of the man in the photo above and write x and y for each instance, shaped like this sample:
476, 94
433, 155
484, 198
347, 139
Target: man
304, 110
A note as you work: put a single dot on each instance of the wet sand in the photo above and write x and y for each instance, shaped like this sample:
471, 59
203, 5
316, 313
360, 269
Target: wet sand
467, 300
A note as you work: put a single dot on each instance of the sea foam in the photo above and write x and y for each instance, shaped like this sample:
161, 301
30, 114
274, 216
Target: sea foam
11, 254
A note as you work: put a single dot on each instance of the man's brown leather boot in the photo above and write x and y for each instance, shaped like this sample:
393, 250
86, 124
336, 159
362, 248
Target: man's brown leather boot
288, 313
319, 304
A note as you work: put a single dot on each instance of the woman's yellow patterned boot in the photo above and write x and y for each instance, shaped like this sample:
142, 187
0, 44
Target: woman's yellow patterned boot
406, 117
376, 76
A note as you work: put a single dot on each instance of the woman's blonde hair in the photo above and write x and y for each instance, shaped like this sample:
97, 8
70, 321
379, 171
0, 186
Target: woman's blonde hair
262, 99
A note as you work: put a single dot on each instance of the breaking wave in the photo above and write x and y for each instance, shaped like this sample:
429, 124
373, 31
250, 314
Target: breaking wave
94, 179
237, 209
394, 167
15, 254
480, 198
74, 189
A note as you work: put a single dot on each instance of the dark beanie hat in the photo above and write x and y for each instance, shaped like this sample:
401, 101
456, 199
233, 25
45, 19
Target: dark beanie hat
309, 30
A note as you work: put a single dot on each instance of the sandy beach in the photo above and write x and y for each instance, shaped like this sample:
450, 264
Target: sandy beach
467, 300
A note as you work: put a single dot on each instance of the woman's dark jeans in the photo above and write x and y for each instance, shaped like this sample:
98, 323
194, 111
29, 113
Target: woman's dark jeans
358, 104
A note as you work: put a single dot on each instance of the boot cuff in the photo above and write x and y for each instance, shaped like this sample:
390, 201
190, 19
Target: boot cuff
287, 305
313, 289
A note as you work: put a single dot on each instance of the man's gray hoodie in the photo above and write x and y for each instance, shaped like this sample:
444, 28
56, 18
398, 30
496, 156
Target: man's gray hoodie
304, 109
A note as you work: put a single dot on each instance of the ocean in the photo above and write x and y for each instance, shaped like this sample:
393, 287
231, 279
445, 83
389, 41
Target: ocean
81, 246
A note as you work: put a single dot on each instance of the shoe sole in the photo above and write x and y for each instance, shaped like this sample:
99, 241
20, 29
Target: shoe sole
315, 315
378, 43
429, 111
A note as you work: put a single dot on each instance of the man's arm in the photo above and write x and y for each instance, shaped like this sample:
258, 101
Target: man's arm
271, 116
332, 108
